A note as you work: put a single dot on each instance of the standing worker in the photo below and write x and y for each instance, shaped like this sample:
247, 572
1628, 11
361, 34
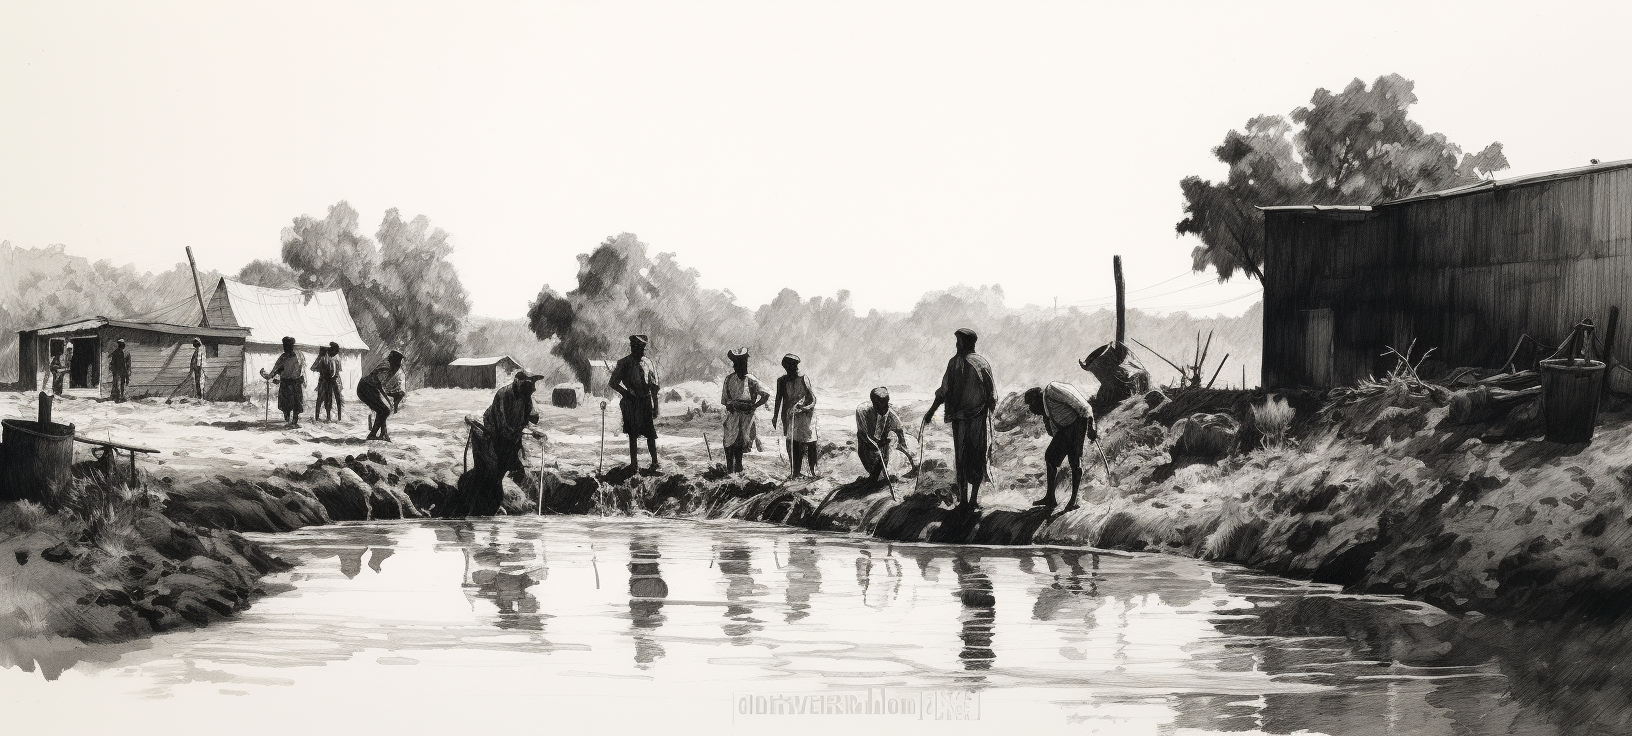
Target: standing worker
382, 390
61, 365
875, 420
288, 373
634, 377
197, 366
796, 407
327, 367
1069, 418
741, 394
970, 397
119, 366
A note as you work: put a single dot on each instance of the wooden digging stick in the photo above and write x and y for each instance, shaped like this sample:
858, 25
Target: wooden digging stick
710, 450
600, 457
541, 478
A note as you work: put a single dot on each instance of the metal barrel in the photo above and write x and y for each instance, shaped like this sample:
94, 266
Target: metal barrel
37, 460
1569, 399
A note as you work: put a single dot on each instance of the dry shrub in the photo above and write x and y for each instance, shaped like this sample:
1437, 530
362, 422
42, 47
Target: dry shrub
1272, 419
21, 517
108, 510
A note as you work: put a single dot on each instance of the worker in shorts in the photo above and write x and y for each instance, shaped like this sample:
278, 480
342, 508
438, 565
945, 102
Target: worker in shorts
1070, 422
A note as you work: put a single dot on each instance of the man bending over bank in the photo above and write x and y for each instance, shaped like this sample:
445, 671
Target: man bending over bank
875, 420
1070, 421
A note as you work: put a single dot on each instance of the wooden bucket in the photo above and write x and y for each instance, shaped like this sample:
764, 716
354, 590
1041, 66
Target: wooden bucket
1569, 399
37, 462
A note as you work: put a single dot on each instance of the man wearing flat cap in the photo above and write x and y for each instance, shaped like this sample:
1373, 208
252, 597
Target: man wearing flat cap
119, 367
290, 375
741, 394
634, 377
970, 397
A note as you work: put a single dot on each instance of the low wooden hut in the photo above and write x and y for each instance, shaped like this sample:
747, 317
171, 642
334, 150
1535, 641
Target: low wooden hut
160, 358
490, 372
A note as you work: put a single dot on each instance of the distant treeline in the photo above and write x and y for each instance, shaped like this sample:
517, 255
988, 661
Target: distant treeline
622, 290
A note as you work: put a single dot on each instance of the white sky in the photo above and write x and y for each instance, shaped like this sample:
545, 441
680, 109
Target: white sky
889, 149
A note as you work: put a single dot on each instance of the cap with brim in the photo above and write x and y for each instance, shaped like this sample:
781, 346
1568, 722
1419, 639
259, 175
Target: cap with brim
738, 354
525, 376
966, 332
288, 340
790, 358
120, 342
396, 354
639, 339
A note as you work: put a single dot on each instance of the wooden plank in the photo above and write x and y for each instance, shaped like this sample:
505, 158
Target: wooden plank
117, 445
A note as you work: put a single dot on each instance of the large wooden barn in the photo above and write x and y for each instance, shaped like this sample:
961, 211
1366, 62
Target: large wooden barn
160, 358
1465, 271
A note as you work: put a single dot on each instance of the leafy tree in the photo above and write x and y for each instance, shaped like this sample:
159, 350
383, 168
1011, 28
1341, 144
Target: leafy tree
621, 291
1358, 146
271, 274
403, 293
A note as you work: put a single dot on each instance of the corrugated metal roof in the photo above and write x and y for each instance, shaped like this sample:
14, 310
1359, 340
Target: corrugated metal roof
482, 361
1318, 208
1465, 189
1517, 181
314, 318
169, 329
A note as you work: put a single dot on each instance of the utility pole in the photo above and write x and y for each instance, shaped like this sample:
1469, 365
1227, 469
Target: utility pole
203, 311
1121, 301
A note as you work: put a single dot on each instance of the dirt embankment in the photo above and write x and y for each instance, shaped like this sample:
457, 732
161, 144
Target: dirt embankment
1378, 488
108, 572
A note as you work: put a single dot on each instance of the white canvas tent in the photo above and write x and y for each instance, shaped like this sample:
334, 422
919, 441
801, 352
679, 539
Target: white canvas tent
313, 318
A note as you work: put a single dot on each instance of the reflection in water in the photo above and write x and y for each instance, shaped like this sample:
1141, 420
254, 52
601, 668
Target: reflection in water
736, 564
646, 593
1153, 644
979, 612
885, 591
804, 578
501, 574
377, 557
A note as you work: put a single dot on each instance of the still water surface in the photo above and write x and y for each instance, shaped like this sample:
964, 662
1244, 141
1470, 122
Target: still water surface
594, 624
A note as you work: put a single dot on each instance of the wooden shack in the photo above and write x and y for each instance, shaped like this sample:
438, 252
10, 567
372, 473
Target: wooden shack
489, 372
160, 357
1467, 272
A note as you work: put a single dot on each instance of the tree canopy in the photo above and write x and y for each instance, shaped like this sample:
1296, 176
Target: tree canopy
622, 291
403, 292
1357, 146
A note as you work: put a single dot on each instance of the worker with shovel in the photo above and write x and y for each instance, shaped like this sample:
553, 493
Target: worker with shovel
382, 391
795, 407
1069, 419
875, 420
289, 372
497, 442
